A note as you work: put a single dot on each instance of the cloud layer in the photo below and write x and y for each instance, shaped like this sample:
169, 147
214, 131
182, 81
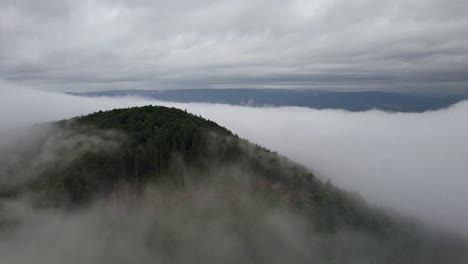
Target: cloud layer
100, 44
415, 163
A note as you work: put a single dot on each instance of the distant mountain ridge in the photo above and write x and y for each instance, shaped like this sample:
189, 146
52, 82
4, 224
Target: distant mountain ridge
317, 99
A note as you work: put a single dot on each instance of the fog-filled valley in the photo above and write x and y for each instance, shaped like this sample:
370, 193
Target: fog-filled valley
213, 207
410, 162
233, 131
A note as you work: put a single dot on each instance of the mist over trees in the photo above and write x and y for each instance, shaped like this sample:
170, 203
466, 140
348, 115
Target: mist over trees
233, 131
168, 186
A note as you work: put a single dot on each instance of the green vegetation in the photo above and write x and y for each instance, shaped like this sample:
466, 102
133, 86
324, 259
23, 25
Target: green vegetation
133, 150
170, 146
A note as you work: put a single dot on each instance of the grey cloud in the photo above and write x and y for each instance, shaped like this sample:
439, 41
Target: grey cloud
69, 45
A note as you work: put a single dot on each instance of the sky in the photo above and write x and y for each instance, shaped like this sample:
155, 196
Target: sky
394, 45
414, 163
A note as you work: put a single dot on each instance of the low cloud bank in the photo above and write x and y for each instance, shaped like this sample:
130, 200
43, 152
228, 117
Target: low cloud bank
415, 163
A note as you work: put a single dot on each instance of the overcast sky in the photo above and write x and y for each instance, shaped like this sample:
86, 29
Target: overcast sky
68, 45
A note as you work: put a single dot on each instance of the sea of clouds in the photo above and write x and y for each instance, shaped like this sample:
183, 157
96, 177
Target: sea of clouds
416, 163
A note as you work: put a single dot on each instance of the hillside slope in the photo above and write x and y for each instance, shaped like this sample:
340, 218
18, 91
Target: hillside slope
184, 176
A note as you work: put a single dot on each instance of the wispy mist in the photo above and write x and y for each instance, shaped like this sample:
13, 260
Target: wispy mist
415, 163
193, 229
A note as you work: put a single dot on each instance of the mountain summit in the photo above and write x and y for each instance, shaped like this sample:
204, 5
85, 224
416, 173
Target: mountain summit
175, 188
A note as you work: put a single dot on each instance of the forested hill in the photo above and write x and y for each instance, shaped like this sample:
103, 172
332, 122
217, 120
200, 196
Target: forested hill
208, 175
